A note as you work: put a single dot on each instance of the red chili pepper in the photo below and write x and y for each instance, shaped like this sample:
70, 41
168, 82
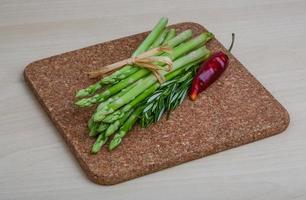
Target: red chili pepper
210, 71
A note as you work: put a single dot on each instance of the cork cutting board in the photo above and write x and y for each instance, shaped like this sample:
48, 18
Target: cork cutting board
235, 110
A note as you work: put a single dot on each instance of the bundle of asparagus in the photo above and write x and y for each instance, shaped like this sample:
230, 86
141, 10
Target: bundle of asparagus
133, 92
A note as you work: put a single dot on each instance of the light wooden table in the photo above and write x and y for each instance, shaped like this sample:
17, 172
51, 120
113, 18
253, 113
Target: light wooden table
271, 41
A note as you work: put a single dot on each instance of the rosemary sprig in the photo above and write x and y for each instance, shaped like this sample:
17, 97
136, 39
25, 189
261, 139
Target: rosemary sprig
169, 95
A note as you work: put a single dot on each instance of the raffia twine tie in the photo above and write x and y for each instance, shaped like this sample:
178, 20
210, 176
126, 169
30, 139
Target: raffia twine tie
146, 60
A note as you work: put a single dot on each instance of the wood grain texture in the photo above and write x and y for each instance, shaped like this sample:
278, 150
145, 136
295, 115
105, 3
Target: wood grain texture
271, 37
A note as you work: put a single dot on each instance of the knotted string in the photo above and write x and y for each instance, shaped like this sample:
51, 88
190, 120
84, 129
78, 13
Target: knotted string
146, 60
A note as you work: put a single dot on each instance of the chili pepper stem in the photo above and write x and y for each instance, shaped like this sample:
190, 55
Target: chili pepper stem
232, 43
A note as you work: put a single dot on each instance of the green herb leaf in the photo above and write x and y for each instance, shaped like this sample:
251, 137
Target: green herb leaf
169, 95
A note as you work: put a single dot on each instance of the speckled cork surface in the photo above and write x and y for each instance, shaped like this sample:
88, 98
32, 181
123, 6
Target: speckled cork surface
235, 110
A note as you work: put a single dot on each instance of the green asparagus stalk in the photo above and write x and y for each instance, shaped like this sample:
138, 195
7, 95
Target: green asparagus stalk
159, 27
127, 125
120, 113
152, 36
101, 140
180, 38
160, 39
171, 34
92, 126
96, 127
90, 101
89, 90
102, 127
93, 132
86, 102
146, 82
115, 97
198, 41
113, 117
177, 52
115, 126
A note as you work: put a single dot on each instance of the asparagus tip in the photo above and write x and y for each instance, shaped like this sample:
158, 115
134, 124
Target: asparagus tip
95, 149
92, 133
82, 103
114, 143
98, 117
210, 35
81, 93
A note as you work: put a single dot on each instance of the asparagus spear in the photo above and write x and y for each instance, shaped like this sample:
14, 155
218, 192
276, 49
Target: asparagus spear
96, 127
114, 116
160, 39
127, 125
200, 40
170, 35
182, 37
92, 126
152, 36
114, 126
177, 52
101, 140
113, 98
146, 82
102, 127
159, 27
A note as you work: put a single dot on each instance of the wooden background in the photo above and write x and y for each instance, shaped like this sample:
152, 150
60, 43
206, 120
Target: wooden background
270, 41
